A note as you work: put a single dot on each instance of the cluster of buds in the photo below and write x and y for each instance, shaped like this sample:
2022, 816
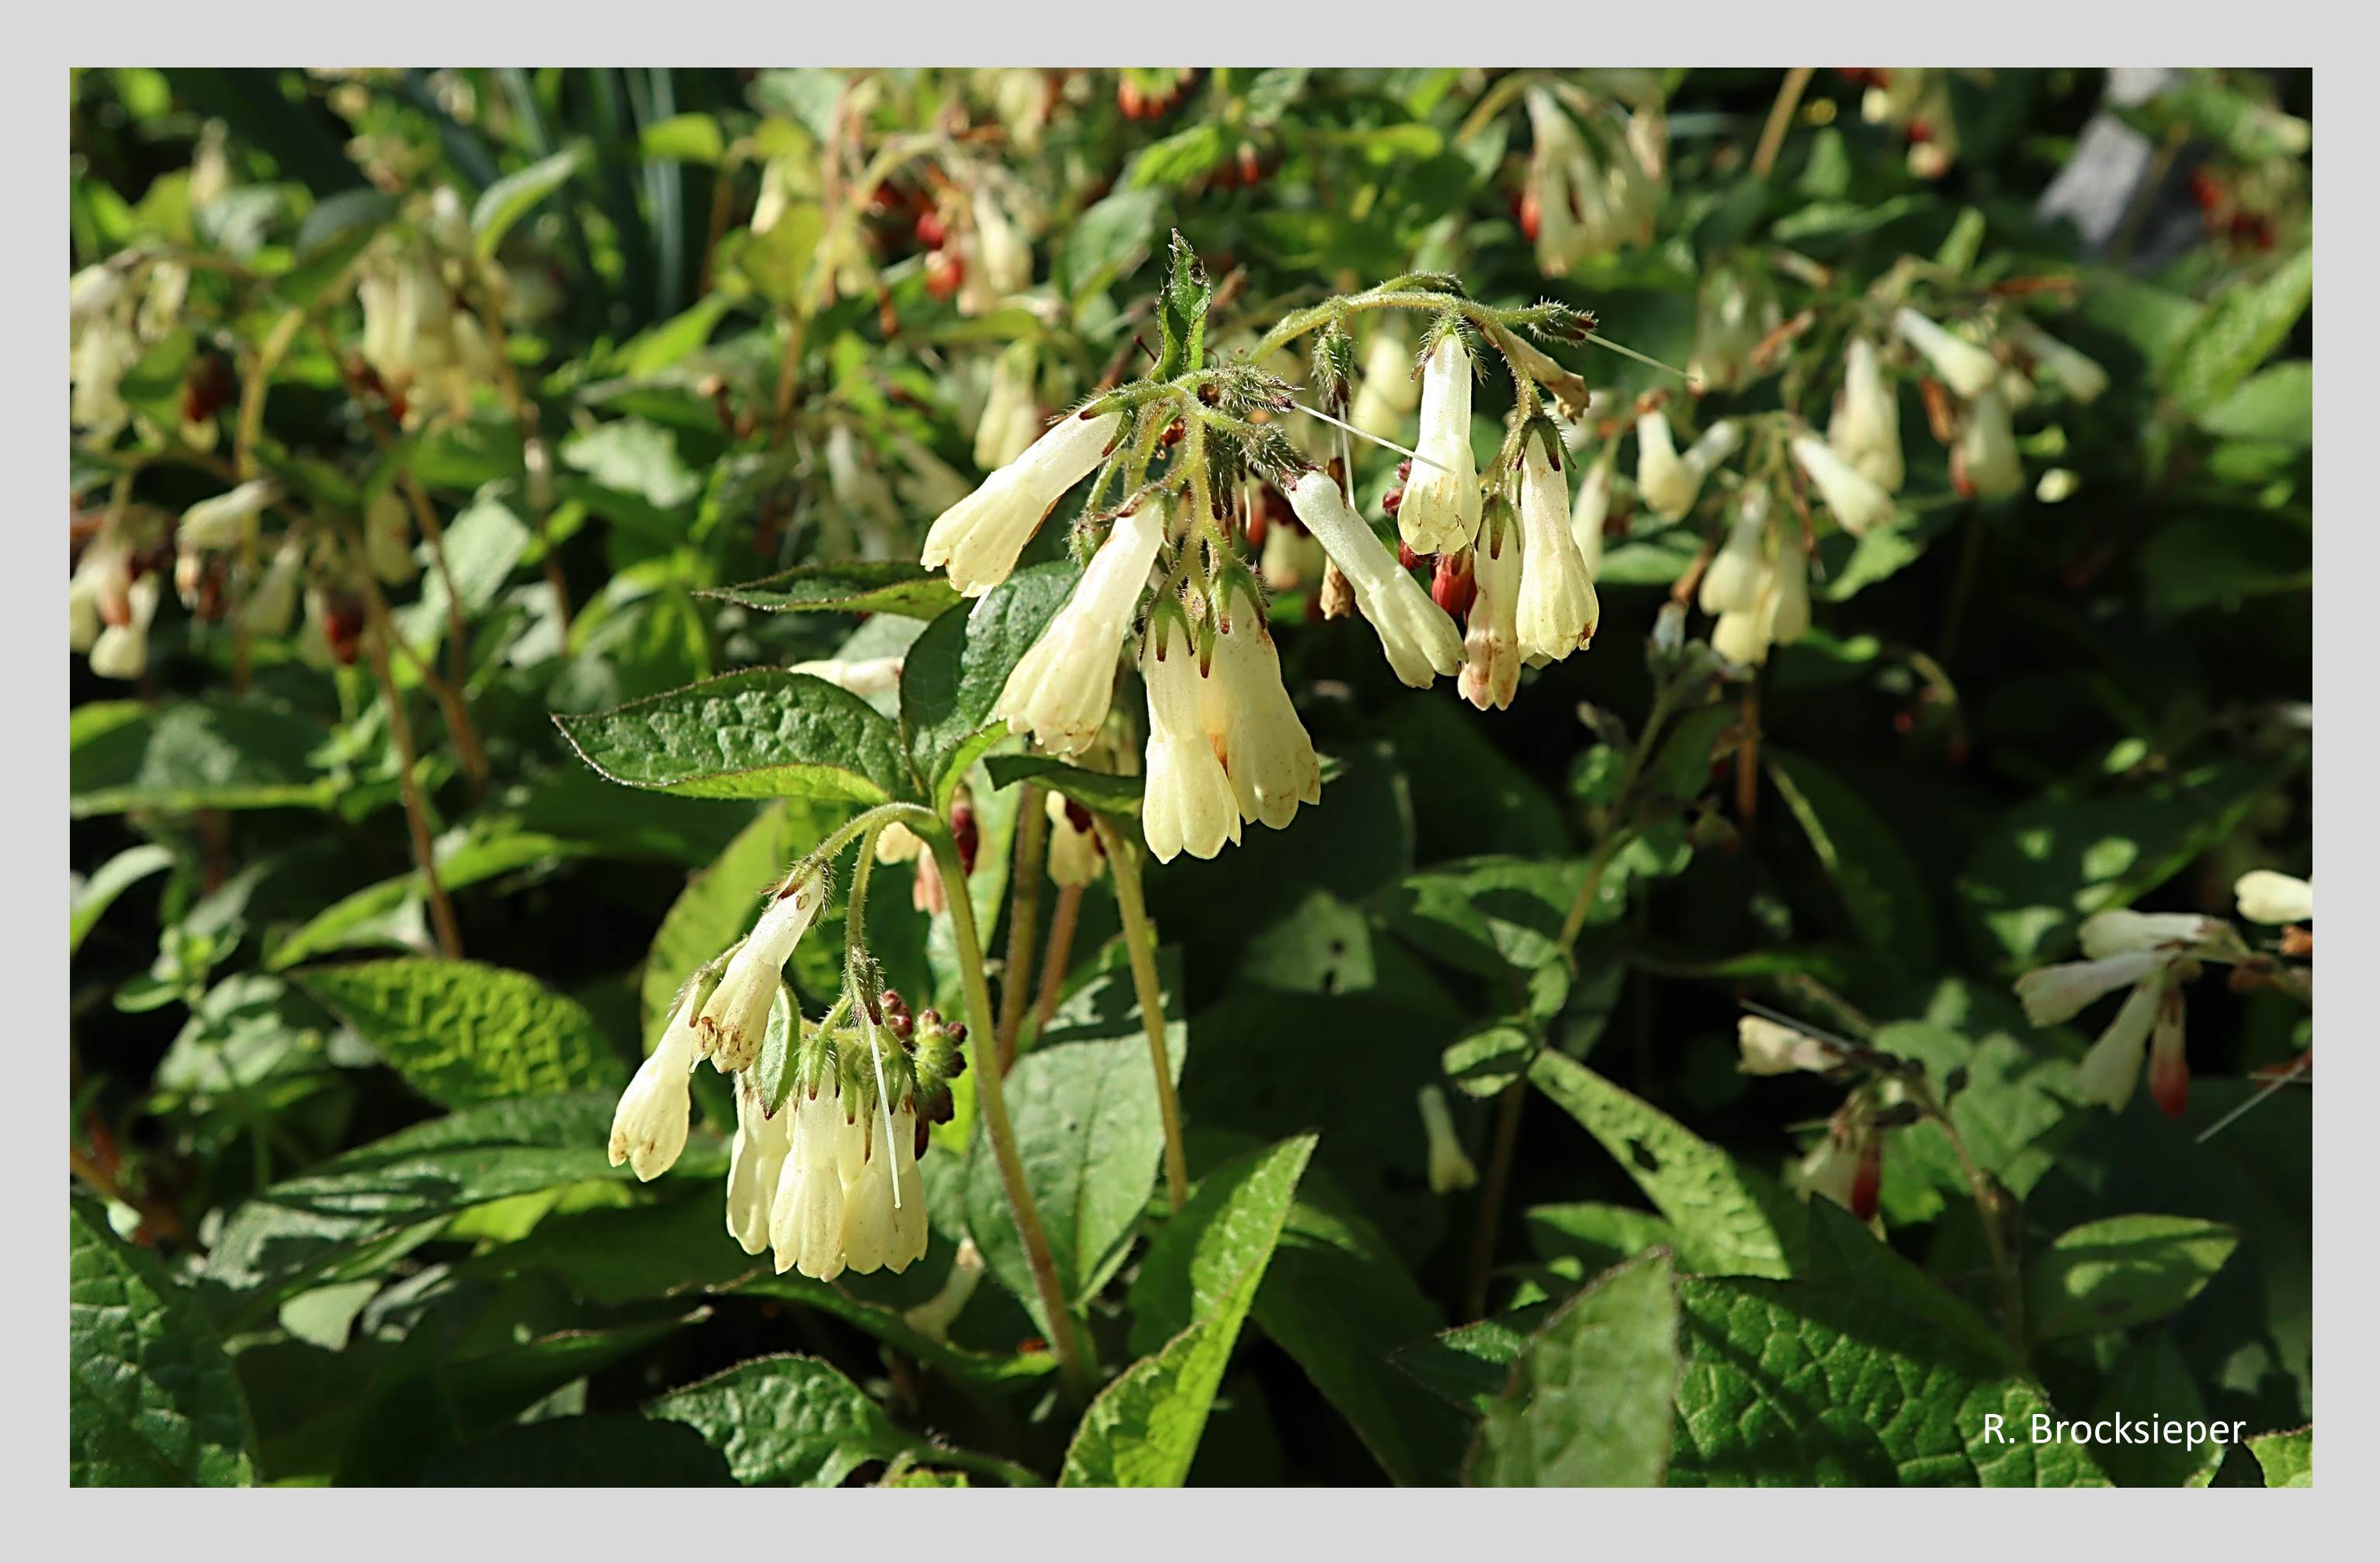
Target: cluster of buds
1595, 179
977, 249
421, 340
824, 1166
1758, 586
111, 599
117, 312
1976, 387
1151, 94
2149, 957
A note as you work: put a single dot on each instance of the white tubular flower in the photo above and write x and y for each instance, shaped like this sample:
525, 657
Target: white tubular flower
1388, 393
856, 484
1669, 483
1557, 612
1770, 1048
1009, 419
1007, 260
2075, 372
979, 539
736, 1018
1726, 331
1188, 805
2273, 899
1075, 856
2055, 994
1741, 636
1985, 453
1450, 1168
99, 592
121, 650
2112, 1067
1491, 642
863, 677
1787, 604
1829, 1170
1865, 430
1965, 368
1732, 582
1592, 509
1440, 509
1562, 176
223, 520
933, 1317
1059, 691
100, 360
755, 1159
1416, 635
898, 843
1249, 718
805, 1211
271, 607
1859, 504
388, 540
2105, 934
649, 1126
92, 293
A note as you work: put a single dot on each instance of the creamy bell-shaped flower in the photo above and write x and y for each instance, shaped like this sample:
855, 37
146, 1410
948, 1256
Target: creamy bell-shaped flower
805, 1211
100, 360
1787, 601
2275, 899
1558, 611
1074, 858
1986, 452
1439, 513
1059, 690
1592, 508
2055, 994
388, 540
1491, 640
1726, 331
756, 1157
121, 649
1859, 504
883, 1196
1010, 421
979, 539
2105, 934
1741, 636
2073, 372
1450, 1168
734, 1019
1670, 482
1768, 1047
222, 521
1565, 189
1006, 260
2112, 1067
649, 1126
1388, 393
1416, 635
92, 293
1253, 725
1187, 804
271, 607
1965, 368
99, 592
1731, 582
1829, 1172
1865, 430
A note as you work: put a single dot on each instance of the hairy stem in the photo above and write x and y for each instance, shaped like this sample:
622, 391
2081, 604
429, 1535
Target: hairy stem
1140, 945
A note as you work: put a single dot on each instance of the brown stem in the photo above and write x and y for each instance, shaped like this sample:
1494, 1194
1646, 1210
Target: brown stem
1024, 919
1140, 947
157, 1219
1780, 118
1058, 956
1747, 761
416, 817
1491, 1198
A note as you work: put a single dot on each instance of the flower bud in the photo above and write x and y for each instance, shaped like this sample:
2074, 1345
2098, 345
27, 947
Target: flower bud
648, 1127
2272, 899
225, 520
1858, 504
1985, 460
2074, 372
1059, 691
1450, 1168
1592, 509
1441, 504
1965, 368
1733, 582
1865, 430
736, 1018
1770, 1048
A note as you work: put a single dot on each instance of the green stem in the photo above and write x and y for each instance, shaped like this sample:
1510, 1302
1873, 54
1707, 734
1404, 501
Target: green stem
1024, 919
1140, 945
992, 1103
1007, 1471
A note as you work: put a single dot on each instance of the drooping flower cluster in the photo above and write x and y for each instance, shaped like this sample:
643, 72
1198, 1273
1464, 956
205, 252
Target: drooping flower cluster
1595, 181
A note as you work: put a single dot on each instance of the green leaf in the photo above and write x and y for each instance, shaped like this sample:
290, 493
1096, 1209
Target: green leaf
2287, 1459
888, 1325
1682, 767
2276, 404
1467, 1367
512, 197
1084, 1106
462, 1033
1107, 242
955, 670
1095, 790
2238, 331
389, 913
1489, 915
1598, 1235
858, 585
339, 230
636, 458
193, 755
2153, 1378
760, 733
1803, 1384
94, 896
1182, 310
2123, 1271
1485, 1061
608, 1449
687, 137
1882, 890
1730, 1219
785, 1421
1196, 1286
150, 1399
1588, 1403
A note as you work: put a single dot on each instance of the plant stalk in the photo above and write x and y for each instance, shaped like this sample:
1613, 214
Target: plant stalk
1140, 945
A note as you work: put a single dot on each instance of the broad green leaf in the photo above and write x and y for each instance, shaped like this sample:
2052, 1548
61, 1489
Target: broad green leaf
1200, 1280
2276, 404
462, 1033
512, 197
1803, 1384
1489, 915
759, 733
151, 1398
857, 586
1682, 767
1084, 1106
1882, 890
2287, 1459
633, 458
194, 755
389, 913
2238, 331
2154, 1380
785, 1421
1095, 790
1589, 1401
688, 137
1730, 1219
955, 670
1598, 1235
2123, 1271
94, 896
1467, 1367
1107, 242
607, 1449
1483, 1061
2016, 1101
